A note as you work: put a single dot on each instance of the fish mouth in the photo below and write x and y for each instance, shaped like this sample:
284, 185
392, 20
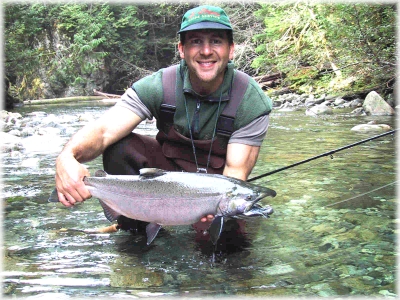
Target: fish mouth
265, 192
261, 195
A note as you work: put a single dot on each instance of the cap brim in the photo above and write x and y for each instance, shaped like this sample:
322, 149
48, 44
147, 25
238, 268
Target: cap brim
205, 25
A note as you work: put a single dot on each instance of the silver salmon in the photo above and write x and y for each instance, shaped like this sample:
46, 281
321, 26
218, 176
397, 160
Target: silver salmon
175, 198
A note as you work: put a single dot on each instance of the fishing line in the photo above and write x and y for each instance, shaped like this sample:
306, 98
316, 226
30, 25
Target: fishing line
374, 190
292, 173
329, 153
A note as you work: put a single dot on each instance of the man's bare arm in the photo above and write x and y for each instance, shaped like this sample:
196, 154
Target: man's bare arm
87, 144
240, 160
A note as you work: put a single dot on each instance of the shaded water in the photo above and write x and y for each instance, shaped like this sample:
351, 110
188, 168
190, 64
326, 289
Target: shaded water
306, 248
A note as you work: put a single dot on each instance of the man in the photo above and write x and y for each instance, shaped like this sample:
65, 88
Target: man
193, 135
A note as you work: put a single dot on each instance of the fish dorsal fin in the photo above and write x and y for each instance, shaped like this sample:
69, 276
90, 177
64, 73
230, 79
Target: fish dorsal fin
100, 173
110, 214
152, 230
151, 172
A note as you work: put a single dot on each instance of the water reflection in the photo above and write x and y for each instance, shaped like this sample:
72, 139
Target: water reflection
313, 245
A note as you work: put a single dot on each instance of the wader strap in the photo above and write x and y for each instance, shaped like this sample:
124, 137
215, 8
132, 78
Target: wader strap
237, 91
227, 117
170, 90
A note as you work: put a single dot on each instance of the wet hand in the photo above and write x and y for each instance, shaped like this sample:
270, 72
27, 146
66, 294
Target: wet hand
208, 218
69, 181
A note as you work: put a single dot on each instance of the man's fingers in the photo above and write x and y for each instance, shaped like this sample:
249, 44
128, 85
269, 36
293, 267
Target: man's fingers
208, 218
64, 200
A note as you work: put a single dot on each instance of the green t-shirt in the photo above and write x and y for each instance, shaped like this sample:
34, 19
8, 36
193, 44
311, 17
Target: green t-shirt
202, 110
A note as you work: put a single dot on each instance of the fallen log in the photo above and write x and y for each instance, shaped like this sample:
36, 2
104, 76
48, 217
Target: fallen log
267, 78
62, 100
98, 93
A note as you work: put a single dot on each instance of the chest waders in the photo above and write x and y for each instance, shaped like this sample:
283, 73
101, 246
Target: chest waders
179, 148
171, 150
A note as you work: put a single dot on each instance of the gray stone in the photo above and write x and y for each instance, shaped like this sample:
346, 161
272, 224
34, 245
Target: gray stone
371, 127
319, 110
358, 112
375, 105
339, 101
15, 132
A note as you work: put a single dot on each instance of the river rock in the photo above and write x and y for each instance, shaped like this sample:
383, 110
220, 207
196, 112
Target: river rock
339, 101
319, 110
10, 142
356, 103
358, 112
28, 131
15, 132
375, 105
372, 127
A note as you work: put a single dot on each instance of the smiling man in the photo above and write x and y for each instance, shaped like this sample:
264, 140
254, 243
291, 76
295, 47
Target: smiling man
211, 117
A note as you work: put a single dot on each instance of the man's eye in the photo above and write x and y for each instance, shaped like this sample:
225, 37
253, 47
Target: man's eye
216, 41
196, 41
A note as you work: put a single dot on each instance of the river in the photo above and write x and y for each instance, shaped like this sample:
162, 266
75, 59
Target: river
333, 232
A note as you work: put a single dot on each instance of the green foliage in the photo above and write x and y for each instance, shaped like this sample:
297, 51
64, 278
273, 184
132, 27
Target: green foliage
346, 43
61, 49
68, 45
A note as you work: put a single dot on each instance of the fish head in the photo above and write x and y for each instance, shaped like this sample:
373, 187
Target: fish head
242, 199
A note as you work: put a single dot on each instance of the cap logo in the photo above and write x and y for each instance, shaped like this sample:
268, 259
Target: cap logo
213, 18
204, 12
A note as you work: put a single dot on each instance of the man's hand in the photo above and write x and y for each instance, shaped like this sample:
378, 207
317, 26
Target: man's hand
208, 218
69, 180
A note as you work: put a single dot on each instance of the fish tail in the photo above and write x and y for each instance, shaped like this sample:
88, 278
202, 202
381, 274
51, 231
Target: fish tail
53, 196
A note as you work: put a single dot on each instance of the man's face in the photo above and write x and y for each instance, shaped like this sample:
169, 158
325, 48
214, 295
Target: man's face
206, 53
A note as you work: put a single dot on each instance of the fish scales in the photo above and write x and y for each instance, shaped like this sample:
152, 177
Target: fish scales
176, 198
177, 203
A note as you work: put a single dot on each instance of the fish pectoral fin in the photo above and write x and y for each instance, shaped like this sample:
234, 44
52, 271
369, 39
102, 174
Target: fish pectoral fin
216, 229
152, 230
110, 214
53, 196
151, 172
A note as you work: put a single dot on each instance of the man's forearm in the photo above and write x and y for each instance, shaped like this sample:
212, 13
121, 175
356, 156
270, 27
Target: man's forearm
85, 145
240, 160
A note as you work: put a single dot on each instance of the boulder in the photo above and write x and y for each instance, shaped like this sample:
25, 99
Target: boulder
372, 128
319, 110
375, 105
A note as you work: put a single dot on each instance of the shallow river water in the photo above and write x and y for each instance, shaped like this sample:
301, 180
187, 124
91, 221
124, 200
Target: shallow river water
333, 232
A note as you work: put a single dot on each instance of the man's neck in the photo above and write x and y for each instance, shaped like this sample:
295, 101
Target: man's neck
205, 88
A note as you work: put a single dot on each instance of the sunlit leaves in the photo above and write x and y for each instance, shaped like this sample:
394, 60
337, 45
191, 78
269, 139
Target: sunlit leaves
340, 40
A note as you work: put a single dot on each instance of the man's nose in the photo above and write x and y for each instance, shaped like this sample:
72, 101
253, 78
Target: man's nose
206, 49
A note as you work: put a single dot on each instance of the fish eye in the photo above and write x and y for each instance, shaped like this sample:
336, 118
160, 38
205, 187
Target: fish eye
248, 197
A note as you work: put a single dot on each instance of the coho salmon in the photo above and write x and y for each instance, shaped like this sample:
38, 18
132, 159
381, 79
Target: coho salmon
175, 198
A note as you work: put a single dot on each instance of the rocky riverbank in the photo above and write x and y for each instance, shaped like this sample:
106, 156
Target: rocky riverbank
43, 129
373, 104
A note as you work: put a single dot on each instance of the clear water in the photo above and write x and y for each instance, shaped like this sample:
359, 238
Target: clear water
328, 236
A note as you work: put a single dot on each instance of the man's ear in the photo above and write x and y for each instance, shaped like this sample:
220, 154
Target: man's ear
180, 48
231, 51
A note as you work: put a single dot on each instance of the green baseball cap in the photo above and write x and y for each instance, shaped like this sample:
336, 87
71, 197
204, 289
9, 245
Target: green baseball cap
205, 17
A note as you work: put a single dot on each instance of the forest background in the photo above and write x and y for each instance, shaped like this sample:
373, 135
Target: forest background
71, 48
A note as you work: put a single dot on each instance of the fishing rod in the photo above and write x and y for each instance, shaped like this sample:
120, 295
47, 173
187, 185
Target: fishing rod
322, 155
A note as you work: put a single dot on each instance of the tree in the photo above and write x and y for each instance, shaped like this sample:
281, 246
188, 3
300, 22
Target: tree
53, 50
333, 46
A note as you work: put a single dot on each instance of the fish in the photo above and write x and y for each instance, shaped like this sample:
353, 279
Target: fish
169, 198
